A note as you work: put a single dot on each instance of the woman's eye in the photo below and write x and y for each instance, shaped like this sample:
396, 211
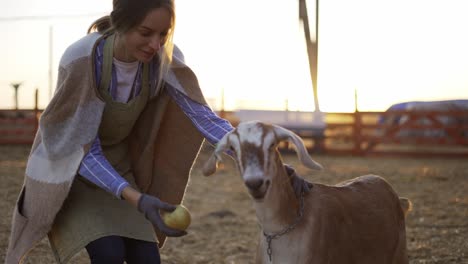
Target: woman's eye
145, 34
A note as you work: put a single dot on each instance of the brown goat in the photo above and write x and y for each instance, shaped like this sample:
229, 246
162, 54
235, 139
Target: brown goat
360, 221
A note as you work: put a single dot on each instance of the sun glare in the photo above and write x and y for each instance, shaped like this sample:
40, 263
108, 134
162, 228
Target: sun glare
252, 54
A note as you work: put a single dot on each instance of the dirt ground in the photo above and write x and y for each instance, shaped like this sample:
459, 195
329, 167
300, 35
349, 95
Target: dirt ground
224, 228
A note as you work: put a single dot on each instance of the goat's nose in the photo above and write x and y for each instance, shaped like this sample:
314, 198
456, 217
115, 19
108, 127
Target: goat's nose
254, 184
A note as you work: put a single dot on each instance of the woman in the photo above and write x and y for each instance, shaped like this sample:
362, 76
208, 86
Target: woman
127, 119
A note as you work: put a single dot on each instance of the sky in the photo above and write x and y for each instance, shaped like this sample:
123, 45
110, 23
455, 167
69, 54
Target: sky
253, 51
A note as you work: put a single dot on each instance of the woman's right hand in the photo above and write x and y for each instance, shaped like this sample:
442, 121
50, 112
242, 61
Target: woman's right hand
150, 206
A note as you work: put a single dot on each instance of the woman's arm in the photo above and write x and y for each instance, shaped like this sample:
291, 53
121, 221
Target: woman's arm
97, 169
212, 127
131, 195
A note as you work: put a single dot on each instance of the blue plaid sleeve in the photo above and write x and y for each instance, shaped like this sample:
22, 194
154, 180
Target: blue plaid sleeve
210, 125
95, 168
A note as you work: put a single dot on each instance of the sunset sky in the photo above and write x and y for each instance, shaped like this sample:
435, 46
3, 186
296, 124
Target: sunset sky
254, 51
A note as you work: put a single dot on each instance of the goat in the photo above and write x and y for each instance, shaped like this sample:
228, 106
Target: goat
360, 221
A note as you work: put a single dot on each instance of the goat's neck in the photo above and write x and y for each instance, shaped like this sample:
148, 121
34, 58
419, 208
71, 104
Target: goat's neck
280, 207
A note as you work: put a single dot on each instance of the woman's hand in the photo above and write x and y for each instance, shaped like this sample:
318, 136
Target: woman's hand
149, 206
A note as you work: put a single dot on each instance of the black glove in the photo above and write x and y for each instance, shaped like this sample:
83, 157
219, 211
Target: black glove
150, 206
299, 184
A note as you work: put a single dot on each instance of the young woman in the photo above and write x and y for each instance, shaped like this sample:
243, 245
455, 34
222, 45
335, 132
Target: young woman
116, 143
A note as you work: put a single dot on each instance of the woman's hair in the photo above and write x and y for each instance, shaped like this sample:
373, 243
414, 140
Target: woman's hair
127, 14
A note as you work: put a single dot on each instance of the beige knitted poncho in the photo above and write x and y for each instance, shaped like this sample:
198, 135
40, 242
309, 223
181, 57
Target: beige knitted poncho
164, 144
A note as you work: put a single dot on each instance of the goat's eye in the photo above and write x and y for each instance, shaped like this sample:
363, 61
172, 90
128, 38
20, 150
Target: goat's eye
231, 148
272, 145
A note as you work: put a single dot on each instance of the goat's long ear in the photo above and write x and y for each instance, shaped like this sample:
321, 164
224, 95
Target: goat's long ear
285, 134
212, 163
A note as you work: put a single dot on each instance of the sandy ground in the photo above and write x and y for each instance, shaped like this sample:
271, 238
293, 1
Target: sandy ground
224, 228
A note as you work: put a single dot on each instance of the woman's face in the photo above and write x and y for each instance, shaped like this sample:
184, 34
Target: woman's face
143, 42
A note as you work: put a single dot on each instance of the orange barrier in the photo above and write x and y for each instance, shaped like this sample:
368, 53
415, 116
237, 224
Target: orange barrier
18, 126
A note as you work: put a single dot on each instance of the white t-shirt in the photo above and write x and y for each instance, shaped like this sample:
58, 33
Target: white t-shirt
126, 75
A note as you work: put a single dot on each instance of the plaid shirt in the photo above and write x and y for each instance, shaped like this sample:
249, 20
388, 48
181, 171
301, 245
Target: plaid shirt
97, 169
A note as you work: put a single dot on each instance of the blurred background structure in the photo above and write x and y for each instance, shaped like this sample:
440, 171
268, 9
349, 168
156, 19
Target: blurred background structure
256, 52
263, 56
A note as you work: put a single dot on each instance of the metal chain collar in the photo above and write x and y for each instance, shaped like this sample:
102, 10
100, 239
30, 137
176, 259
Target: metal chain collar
269, 238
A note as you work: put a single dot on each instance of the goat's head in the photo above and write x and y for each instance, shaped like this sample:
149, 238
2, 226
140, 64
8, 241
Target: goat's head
253, 145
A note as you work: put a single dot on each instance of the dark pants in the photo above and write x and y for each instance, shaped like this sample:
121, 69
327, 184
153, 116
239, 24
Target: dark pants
116, 250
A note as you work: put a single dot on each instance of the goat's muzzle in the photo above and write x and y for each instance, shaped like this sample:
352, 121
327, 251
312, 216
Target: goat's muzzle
257, 187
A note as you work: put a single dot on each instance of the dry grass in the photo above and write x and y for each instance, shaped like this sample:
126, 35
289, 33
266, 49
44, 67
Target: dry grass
224, 228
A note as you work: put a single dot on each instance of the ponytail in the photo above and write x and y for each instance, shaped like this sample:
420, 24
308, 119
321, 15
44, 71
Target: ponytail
101, 25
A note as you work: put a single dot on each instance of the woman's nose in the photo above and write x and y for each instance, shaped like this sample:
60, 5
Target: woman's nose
155, 43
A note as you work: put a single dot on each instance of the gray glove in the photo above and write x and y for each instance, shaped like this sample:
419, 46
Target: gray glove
150, 206
299, 184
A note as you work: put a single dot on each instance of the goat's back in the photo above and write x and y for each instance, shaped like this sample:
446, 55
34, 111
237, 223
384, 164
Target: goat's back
358, 221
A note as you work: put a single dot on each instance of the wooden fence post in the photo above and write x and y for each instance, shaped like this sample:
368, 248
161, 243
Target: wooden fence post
357, 133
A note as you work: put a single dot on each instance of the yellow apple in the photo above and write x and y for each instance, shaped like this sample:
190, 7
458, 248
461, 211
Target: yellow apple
177, 219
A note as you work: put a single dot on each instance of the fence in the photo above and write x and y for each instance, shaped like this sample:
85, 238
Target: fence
415, 133
411, 133
18, 126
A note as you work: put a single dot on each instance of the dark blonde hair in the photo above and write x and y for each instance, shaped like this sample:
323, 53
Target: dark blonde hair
127, 14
